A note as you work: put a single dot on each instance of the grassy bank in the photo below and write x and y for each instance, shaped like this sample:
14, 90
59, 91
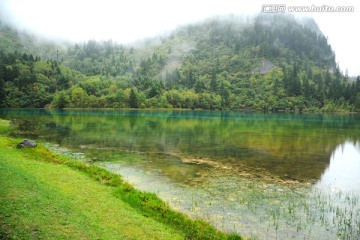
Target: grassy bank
46, 196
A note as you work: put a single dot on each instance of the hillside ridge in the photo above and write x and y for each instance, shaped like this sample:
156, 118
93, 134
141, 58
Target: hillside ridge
268, 62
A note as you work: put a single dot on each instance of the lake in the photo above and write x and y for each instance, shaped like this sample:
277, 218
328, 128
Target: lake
263, 175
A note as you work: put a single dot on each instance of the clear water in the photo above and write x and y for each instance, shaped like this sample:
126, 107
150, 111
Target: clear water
285, 176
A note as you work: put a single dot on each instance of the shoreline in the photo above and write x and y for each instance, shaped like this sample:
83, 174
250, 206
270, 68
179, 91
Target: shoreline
245, 110
147, 204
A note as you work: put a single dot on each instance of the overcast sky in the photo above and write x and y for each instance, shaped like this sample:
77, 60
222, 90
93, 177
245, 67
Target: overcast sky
130, 20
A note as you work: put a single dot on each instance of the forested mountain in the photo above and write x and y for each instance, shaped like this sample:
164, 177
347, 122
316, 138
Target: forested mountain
269, 62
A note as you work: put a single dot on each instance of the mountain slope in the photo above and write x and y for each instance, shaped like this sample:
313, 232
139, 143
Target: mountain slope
12, 39
270, 62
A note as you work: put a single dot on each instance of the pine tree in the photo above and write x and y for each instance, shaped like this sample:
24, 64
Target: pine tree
133, 101
213, 83
2, 93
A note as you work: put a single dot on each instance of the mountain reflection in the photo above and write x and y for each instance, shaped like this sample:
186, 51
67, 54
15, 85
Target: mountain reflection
182, 143
343, 172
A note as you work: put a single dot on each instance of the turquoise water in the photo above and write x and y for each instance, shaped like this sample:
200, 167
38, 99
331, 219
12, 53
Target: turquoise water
259, 174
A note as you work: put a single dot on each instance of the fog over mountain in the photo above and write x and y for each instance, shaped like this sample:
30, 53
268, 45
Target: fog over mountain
129, 21
267, 62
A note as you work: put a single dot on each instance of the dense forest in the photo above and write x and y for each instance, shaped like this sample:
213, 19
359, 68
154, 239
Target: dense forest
267, 63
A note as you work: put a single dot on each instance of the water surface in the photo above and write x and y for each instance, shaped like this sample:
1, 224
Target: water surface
262, 175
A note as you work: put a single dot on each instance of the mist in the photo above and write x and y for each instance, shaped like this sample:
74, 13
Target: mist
127, 22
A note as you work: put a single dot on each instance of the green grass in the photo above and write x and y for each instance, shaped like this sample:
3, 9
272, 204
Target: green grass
47, 196
41, 200
4, 126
